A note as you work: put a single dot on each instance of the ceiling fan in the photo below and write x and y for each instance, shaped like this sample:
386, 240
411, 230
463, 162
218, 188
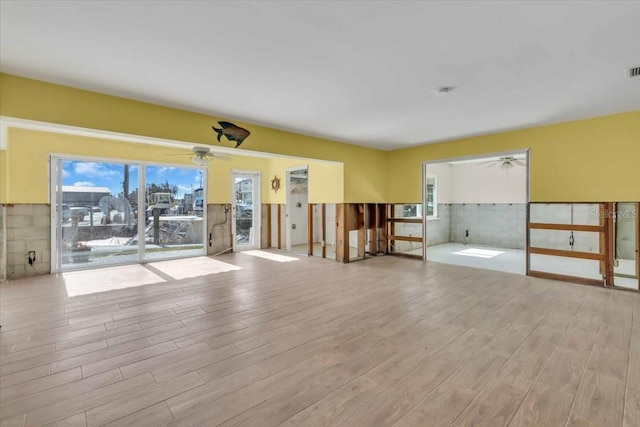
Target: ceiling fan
504, 162
202, 155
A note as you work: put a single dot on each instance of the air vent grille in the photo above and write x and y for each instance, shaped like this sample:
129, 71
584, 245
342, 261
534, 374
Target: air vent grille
634, 72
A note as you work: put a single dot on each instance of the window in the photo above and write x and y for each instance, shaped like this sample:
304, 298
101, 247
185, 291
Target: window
432, 196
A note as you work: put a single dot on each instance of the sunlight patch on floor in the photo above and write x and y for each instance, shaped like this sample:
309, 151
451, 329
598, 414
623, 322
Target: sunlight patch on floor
107, 279
192, 267
479, 253
270, 256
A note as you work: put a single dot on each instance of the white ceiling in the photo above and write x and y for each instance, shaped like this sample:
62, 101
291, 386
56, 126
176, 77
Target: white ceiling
360, 72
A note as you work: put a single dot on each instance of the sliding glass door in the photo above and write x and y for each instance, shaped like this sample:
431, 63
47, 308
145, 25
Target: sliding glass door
174, 216
112, 213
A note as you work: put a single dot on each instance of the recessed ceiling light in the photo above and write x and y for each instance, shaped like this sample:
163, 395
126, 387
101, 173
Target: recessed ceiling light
444, 90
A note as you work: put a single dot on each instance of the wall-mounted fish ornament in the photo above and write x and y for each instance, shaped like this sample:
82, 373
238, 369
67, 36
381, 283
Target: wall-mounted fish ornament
232, 132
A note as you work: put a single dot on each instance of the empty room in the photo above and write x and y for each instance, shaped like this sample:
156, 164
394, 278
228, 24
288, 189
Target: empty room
274, 213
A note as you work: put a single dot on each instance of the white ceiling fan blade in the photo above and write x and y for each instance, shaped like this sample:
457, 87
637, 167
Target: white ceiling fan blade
489, 161
519, 162
219, 156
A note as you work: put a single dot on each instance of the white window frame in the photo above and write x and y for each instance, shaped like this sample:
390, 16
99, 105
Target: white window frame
435, 196
55, 194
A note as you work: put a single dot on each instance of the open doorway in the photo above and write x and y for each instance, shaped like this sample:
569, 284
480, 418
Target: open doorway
297, 206
474, 211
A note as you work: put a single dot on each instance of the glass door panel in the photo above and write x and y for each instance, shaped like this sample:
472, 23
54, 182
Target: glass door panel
246, 210
96, 223
173, 212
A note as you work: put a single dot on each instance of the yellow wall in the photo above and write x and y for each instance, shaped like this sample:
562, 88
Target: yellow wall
3, 177
587, 160
28, 154
325, 180
36, 100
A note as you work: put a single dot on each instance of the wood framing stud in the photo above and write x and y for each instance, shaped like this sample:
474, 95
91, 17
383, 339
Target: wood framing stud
310, 229
268, 225
279, 226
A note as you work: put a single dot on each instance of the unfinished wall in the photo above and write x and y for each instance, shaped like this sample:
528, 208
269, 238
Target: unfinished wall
3, 244
219, 233
563, 213
626, 231
27, 229
298, 218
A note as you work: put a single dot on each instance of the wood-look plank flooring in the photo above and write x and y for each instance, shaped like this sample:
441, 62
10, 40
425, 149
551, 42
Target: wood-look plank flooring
384, 342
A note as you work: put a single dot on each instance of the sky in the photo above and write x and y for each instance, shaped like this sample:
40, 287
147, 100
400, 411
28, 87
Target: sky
111, 175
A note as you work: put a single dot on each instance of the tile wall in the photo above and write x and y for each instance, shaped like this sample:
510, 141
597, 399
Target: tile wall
27, 229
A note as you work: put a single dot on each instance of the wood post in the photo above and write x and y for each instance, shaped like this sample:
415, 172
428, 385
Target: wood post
373, 225
638, 243
383, 224
279, 226
309, 229
324, 230
361, 230
268, 225
609, 252
342, 233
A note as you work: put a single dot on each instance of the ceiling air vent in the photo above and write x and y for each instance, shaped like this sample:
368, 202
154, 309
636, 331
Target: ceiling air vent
634, 72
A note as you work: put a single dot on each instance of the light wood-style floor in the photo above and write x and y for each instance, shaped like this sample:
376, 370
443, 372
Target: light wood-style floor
387, 341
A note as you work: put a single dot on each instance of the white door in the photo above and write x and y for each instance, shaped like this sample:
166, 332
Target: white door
246, 207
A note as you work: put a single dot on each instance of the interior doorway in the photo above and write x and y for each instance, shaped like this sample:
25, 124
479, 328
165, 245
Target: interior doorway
246, 207
297, 207
474, 212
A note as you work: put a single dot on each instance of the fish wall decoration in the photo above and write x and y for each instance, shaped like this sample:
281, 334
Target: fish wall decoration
232, 132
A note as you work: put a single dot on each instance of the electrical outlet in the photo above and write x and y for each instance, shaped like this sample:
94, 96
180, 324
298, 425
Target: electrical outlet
32, 257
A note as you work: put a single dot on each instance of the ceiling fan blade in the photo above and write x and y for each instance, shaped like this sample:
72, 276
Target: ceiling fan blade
488, 161
219, 156
519, 162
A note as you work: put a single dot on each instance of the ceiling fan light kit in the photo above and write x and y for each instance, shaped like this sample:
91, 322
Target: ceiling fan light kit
200, 161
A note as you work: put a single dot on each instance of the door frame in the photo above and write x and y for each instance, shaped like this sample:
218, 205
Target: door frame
257, 208
55, 194
289, 203
423, 178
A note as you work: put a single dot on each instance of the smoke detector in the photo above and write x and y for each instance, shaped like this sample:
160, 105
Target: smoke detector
444, 90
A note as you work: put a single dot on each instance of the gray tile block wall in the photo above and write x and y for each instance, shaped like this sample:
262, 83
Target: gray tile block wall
27, 229
499, 225
439, 230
